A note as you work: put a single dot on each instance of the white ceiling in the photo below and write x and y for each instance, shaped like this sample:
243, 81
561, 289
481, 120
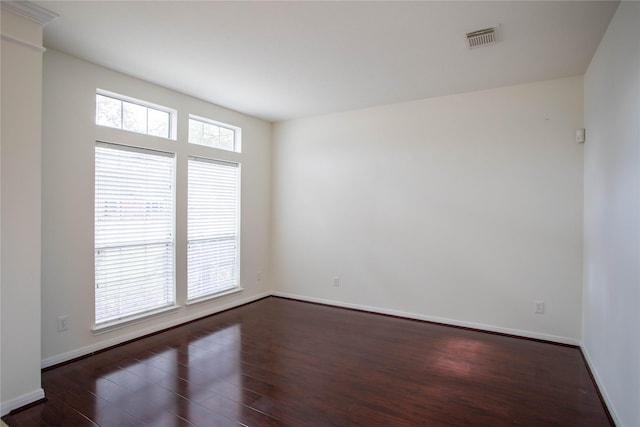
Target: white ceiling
284, 60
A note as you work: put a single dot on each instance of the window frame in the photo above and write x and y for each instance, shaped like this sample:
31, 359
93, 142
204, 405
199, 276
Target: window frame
173, 113
237, 133
237, 287
114, 322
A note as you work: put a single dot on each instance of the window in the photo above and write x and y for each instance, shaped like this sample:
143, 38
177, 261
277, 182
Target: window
118, 111
213, 238
134, 231
135, 212
213, 134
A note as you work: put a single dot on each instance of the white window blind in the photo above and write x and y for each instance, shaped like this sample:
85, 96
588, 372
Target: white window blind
134, 231
213, 231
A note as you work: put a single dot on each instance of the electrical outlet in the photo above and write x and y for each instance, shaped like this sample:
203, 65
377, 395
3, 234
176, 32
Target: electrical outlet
63, 323
539, 307
336, 281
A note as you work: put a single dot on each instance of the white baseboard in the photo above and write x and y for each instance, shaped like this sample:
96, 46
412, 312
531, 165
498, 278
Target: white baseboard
83, 351
601, 388
21, 401
445, 321
39, 394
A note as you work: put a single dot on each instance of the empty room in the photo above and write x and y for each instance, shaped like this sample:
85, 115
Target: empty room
320, 213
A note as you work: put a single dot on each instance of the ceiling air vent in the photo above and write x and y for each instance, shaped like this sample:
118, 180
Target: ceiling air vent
482, 37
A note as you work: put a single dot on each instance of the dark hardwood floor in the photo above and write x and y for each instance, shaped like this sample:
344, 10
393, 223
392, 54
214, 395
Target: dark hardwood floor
281, 362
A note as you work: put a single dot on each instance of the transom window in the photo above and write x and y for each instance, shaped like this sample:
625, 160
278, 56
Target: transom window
121, 112
213, 134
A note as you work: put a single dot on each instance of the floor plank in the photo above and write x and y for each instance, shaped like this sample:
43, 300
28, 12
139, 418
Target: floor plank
278, 362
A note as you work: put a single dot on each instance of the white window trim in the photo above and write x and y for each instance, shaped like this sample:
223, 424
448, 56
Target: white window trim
132, 320
204, 299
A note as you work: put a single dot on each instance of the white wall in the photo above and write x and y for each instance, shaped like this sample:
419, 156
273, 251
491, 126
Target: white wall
69, 136
463, 209
611, 319
20, 212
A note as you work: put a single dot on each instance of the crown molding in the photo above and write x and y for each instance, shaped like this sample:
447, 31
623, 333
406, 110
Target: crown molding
28, 10
12, 39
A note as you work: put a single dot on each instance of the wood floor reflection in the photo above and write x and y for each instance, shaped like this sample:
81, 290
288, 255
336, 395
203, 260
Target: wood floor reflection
278, 362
